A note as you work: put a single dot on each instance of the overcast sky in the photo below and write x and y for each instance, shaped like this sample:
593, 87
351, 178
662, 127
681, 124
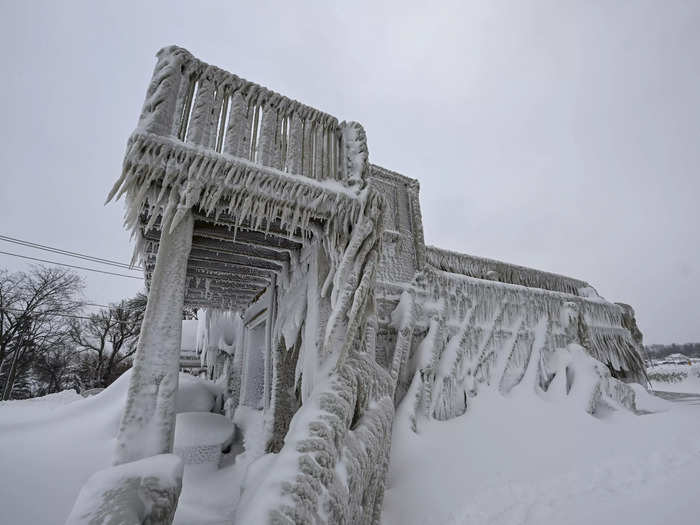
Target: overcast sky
559, 135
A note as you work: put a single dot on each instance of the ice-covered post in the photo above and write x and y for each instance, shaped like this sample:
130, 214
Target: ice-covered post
148, 423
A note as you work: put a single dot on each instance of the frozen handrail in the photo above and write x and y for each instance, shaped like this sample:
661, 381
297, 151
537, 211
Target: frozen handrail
493, 270
199, 103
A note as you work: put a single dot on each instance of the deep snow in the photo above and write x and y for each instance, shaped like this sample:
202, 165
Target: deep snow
526, 460
520, 459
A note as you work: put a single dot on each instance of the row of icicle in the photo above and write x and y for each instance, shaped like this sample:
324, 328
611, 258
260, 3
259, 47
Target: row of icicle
490, 269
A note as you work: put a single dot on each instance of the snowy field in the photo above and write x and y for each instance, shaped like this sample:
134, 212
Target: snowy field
515, 460
528, 461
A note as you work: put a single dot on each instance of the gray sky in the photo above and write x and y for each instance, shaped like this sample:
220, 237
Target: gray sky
558, 135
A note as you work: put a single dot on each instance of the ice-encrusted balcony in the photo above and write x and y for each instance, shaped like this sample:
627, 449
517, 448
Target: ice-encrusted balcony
259, 171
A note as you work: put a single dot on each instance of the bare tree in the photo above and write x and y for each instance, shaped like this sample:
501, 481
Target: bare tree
107, 341
34, 306
56, 369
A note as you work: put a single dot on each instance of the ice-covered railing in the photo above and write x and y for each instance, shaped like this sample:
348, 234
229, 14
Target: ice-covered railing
201, 104
600, 328
474, 334
493, 270
211, 141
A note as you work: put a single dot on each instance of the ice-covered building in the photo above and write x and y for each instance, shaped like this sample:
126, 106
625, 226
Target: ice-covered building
325, 308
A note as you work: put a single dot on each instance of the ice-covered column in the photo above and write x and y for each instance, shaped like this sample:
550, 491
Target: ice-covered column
158, 113
148, 423
413, 189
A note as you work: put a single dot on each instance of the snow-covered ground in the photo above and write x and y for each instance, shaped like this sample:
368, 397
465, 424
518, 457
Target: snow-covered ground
50, 446
526, 460
521, 459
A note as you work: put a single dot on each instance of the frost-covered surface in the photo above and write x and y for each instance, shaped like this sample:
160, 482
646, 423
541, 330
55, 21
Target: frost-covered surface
144, 491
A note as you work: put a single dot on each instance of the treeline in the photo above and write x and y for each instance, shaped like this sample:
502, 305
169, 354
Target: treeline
661, 351
50, 340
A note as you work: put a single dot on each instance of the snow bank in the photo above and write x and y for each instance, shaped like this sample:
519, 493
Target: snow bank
28, 409
144, 491
528, 460
52, 445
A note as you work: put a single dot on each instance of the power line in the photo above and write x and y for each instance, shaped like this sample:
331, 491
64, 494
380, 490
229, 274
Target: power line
100, 260
51, 314
70, 265
69, 253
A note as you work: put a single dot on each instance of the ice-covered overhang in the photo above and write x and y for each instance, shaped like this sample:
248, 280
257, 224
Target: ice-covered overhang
262, 173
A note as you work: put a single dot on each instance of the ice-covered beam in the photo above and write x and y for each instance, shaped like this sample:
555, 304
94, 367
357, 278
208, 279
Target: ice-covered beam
233, 247
242, 268
223, 288
230, 278
269, 239
218, 245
